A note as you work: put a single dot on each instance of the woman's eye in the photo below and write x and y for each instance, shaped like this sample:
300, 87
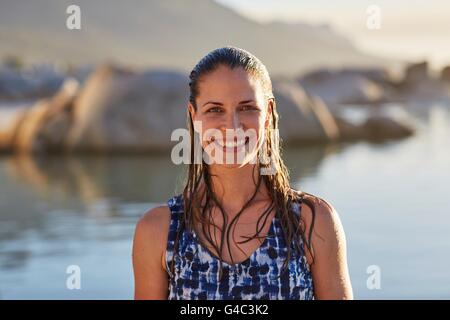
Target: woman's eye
214, 110
249, 108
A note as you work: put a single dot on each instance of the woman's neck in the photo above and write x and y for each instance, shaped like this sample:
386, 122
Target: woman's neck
235, 186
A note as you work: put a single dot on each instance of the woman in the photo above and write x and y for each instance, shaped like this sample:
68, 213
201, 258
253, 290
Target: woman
236, 231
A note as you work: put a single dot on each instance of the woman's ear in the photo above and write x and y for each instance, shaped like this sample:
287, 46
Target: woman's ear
191, 110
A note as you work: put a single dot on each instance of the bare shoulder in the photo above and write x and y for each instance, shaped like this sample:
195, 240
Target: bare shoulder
325, 216
156, 215
319, 216
154, 223
329, 265
148, 250
151, 233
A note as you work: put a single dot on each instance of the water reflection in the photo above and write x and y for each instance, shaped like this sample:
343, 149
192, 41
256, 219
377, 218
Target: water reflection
56, 209
132, 178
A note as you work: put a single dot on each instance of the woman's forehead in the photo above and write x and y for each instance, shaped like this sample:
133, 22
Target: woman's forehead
229, 84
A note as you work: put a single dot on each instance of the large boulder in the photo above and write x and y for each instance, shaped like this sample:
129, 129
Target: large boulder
375, 123
10, 120
445, 74
383, 127
302, 117
346, 86
416, 73
420, 87
349, 130
374, 128
120, 110
45, 126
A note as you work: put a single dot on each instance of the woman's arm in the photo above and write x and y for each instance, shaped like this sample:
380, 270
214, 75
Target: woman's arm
329, 270
150, 278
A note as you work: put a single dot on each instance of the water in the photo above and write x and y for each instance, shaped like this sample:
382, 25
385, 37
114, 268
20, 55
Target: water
392, 198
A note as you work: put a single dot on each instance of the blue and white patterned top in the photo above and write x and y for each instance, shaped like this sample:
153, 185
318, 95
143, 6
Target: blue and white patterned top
196, 270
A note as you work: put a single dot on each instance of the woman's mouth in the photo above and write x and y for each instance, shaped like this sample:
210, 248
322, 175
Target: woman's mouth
231, 146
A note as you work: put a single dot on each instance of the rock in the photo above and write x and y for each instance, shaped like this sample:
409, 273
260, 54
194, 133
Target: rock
375, 124
349, 131
120, 110
303, 118
46, 125
345, 86
10, 120
419, 87
382, 128
416, 73
445, 74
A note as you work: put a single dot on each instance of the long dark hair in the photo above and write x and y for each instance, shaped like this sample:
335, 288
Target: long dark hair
282, 196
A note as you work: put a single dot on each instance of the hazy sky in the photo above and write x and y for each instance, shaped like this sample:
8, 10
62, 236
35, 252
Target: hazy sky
410, 29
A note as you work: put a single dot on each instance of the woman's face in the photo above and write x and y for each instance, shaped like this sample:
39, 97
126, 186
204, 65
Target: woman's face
232, 114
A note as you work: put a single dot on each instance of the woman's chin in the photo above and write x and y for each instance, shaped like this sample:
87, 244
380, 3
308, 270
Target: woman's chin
236, 164
232, 165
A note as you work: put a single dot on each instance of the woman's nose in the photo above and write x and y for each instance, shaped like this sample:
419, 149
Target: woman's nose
232, 121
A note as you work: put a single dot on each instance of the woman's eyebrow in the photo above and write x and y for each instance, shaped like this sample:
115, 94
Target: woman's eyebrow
213, 102
246, 101
221, 104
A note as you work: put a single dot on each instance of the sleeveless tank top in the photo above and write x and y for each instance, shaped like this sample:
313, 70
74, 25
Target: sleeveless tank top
196, 269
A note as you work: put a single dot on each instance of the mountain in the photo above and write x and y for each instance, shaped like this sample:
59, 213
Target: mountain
164, 33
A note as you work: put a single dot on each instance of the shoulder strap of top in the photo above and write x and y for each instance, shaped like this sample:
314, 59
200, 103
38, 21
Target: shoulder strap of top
175, 205
297, 205
176, 211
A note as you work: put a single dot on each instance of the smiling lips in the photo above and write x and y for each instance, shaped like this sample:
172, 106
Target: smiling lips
231, 144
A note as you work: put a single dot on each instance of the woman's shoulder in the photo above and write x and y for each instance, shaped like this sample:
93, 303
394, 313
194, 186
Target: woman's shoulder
317, 210
149, 245
153, 225
155, 216
155, 222
313, 200
322, 219
161, 214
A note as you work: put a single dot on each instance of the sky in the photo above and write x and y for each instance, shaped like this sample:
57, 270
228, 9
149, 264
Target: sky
408, 29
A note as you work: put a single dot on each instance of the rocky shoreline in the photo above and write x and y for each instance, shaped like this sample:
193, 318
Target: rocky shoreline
116, 109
